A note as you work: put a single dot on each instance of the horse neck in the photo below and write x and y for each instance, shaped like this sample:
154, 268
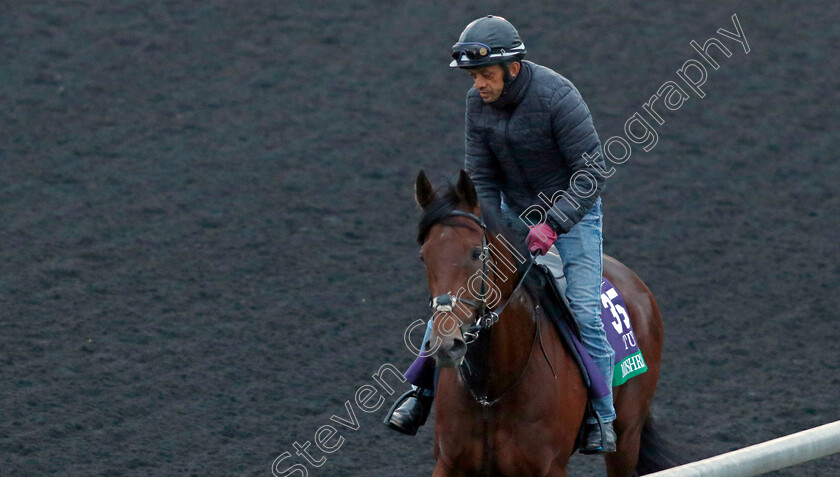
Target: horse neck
506, 347
511, 344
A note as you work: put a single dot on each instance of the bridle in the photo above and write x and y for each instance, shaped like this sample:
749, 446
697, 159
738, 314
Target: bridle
485, 318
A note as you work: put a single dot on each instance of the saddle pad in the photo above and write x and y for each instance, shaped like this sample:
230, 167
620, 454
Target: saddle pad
628, 357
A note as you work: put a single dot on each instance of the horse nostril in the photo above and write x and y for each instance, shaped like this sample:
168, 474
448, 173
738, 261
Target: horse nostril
459, 348
427, 351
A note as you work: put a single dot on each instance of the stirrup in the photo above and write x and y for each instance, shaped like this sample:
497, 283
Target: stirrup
425, 403
585, 428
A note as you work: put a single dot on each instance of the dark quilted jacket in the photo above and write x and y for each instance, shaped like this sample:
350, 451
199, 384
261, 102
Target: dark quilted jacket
530, 142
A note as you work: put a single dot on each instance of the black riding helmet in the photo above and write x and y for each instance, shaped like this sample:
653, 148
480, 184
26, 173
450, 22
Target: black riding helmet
487, 41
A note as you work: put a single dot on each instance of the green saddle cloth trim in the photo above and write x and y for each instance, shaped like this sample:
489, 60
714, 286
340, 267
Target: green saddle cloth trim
630, 366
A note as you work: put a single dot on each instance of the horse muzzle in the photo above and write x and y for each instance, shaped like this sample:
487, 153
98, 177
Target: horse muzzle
450, 352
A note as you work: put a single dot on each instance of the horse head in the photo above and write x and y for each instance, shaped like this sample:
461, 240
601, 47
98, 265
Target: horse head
453, 241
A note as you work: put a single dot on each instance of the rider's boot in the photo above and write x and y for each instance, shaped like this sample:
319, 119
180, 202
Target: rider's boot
599, 438
410, 411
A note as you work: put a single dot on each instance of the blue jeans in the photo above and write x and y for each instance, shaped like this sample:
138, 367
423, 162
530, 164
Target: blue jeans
581, 250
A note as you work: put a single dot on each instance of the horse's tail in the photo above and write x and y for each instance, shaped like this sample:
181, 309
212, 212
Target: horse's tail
654, 453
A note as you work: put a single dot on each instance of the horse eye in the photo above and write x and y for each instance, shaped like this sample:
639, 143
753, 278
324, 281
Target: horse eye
421, 258
476, 253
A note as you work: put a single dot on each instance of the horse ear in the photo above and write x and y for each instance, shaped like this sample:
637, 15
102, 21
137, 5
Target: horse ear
424, 193
466, 189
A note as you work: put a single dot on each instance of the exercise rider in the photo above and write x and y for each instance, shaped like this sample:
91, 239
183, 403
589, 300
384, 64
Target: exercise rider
529, 135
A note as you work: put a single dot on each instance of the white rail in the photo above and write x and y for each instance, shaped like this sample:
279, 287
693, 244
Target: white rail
765, 457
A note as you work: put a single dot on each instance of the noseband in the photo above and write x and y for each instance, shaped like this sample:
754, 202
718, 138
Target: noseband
484, 317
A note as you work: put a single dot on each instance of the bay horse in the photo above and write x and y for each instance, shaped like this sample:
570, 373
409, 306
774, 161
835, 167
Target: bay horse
510, 398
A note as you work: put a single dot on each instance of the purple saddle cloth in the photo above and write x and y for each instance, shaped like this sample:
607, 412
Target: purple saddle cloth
628, 357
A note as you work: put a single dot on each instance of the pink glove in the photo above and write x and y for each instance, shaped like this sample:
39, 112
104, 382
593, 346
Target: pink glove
541, 238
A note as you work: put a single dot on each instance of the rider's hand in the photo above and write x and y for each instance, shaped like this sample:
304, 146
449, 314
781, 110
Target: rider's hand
541, 238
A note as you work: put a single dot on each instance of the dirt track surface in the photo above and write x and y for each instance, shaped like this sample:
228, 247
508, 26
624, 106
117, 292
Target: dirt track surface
207, 221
